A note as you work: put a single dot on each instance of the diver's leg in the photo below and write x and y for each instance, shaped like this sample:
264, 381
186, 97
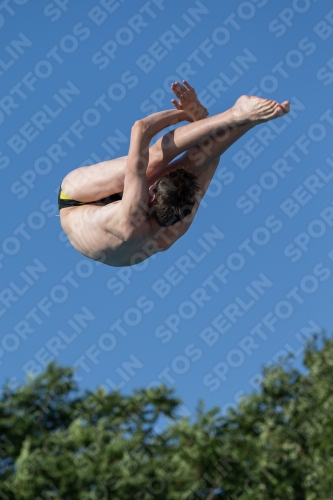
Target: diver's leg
222, 130
201, 156
98, 181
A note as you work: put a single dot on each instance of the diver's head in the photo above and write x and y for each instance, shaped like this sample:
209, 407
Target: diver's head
173, 197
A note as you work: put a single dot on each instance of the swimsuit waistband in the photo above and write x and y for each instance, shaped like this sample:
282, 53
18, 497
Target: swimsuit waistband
65, 201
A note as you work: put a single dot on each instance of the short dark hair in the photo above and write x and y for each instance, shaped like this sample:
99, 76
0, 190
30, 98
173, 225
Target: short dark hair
174, 197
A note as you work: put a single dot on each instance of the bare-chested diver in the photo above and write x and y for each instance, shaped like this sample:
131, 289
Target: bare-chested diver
122, 211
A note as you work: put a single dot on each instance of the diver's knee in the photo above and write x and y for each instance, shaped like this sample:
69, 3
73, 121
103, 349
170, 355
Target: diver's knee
69, 185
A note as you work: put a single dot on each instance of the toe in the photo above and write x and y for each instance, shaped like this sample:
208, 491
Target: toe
285, 106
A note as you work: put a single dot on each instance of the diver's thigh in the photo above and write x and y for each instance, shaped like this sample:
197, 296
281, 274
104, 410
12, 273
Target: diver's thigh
95, 182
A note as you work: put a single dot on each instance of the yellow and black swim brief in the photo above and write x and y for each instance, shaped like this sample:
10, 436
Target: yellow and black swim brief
65, 201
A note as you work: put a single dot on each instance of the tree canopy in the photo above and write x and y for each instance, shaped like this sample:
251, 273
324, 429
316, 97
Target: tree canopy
62, 444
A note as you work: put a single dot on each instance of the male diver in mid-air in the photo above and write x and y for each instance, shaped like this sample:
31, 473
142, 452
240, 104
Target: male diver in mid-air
122, 211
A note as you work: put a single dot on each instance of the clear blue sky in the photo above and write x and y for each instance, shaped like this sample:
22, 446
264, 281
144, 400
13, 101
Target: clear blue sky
255, 270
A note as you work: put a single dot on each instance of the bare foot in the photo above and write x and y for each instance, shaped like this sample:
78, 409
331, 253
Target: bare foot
257, 110
188, 101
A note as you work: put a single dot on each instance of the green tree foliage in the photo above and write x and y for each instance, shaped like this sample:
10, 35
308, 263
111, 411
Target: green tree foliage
57, 443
